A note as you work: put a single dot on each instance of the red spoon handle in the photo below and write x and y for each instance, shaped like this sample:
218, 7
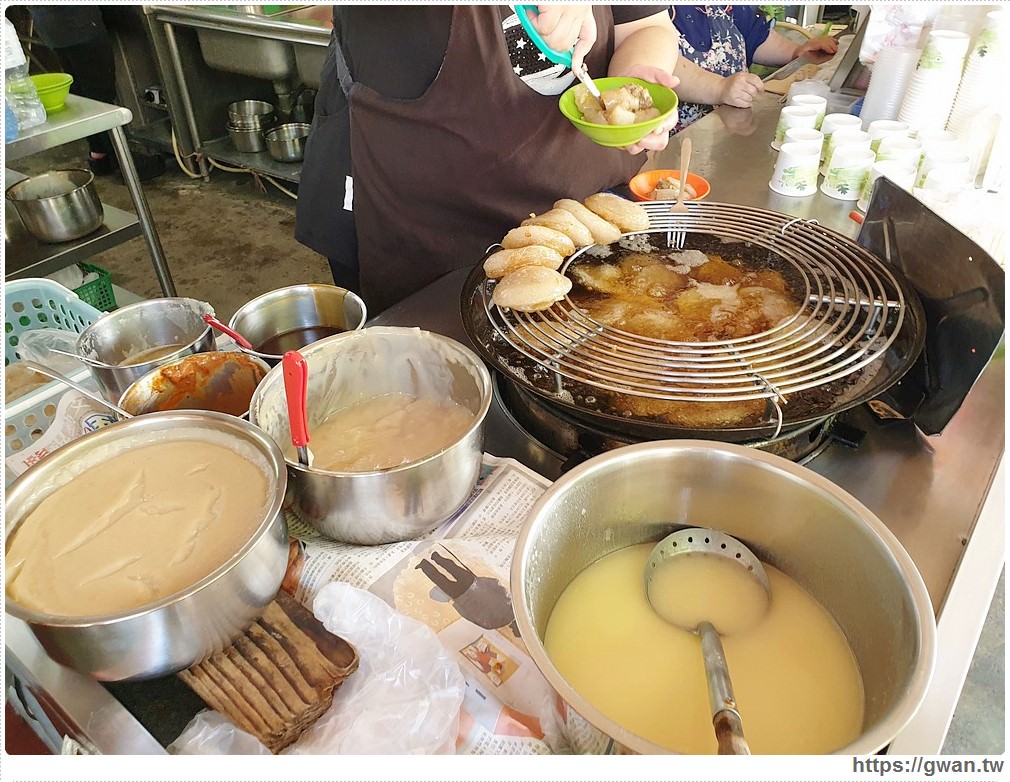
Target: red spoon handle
296, 377
239, 339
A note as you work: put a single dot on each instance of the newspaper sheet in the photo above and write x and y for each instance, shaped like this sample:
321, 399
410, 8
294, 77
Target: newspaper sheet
456, 580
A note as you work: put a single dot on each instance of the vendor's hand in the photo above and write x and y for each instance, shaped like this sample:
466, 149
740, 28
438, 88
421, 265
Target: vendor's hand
740, 89
566, 26
660, 137
817, 50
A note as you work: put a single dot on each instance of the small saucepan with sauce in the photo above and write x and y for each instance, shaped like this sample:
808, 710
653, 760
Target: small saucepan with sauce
291, 318
133, 340
220, 380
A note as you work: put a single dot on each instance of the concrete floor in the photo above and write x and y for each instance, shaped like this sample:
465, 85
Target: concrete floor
228, 241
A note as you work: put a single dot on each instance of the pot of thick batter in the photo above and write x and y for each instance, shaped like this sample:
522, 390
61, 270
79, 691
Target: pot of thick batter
143, 547
396, 426
849, 635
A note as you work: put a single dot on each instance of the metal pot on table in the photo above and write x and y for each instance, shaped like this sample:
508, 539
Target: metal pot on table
792, 518
400, 502
176, 631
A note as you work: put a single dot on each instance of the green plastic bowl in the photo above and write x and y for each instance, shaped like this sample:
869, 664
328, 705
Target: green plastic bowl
663, 98
52, 89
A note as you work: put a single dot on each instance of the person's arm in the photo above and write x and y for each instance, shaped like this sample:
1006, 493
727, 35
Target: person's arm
698, 85
779, 50
648, 49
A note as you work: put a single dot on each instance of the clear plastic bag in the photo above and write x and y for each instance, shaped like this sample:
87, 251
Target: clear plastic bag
406, 694
34, 345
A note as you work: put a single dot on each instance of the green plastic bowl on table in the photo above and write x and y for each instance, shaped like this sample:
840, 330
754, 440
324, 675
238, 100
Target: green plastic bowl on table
52, 89
663, 98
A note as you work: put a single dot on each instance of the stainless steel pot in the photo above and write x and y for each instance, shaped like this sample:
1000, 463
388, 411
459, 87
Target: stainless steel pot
398, 503
177, 631
128, 332
791, 517
246, 139
58, 206
286, 143
296, 315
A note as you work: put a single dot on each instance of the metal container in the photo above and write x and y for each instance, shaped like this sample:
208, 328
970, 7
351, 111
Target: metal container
401, 502
122, 338
294, 316
286, 143
251, 114
792, 518
177, 631
246, 139
58, 206
223, 381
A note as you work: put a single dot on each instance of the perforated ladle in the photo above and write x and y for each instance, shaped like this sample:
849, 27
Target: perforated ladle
671, 552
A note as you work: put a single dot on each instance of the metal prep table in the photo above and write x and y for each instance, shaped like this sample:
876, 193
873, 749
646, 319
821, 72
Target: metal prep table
82, 117
942, 496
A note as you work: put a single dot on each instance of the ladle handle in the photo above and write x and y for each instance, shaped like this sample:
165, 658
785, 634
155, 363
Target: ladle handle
44, 370
725, 718
685, 163
239, 339
296, 377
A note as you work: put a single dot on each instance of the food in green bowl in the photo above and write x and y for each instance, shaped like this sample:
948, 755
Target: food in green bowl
663, 99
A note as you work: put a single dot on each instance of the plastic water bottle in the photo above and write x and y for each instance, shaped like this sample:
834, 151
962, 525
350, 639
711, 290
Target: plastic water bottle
19, 91
10, 124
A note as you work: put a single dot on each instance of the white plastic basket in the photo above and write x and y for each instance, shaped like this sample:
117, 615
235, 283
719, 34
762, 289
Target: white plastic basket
29, 304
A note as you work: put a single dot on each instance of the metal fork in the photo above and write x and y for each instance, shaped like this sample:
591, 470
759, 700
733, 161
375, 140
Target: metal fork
679, 236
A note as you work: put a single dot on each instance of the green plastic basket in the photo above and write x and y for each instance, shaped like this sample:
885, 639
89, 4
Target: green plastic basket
98, 293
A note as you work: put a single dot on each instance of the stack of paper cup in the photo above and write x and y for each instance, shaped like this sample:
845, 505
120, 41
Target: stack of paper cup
902, 174
880, 128
833, 122
849, 136
793, 117
985, 66
818, 102
805, 135
889, 80
930, 95
848, 168
795, 172
900, 149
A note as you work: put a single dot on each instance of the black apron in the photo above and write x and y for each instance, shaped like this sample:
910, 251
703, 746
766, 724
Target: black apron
439, 178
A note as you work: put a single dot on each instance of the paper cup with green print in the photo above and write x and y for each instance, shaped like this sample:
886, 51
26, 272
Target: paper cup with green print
848, 168
795, 172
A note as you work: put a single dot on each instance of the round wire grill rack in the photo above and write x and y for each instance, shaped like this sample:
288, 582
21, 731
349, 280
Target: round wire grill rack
852, 309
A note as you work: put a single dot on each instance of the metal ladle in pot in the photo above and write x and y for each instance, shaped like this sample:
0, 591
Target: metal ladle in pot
667, 563
43, 370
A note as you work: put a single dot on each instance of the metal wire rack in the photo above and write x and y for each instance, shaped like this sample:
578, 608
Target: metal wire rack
852, 311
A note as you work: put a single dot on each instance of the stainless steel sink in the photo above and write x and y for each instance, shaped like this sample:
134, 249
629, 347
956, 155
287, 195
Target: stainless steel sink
249, 55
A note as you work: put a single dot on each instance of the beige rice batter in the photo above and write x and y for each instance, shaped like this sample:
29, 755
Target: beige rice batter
141, 526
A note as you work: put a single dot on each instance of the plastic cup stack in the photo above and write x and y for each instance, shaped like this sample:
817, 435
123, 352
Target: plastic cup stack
889, 80
795, 172
985, 66
793, 117
931, 92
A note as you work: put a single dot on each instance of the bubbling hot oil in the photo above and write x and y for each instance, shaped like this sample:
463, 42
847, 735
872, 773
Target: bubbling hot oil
645, 674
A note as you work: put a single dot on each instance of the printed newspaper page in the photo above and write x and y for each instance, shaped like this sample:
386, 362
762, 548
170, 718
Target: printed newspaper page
456, 580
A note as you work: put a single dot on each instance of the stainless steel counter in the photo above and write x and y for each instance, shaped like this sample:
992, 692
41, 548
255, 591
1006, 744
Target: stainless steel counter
942, 496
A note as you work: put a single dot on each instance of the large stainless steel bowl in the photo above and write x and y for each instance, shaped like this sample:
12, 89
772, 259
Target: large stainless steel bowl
129, 331
791, 517
58, 206
177, 631
401, 502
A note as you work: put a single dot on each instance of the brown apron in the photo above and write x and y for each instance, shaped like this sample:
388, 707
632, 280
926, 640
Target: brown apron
438, 179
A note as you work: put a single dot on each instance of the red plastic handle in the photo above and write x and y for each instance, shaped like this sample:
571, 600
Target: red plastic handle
296, 381
239, 339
